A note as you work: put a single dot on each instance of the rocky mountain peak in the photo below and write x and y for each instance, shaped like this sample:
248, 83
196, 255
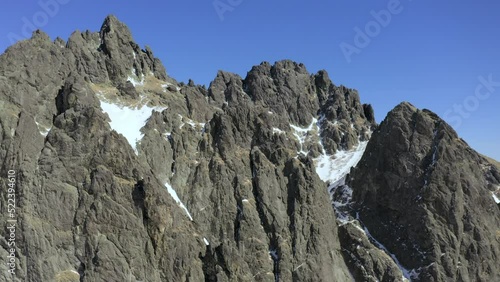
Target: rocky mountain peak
40, 35
288, 65
112, 55
117, 41
112, 25
415, 166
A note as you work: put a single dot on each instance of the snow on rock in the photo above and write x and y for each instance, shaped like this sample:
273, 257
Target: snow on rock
341, 201
43, 130
302, 133
407, 274
134, 81
165, 86
128, 120
497, 200
496, 195
334, 168
167, 136
192, 123
174, 195
277, 131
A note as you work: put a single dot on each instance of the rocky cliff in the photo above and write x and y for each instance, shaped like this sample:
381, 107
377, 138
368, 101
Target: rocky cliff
124, 174
427, 197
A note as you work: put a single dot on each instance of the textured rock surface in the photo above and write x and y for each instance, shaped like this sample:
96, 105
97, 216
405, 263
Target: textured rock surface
95, 204
89, 204
426, 195
366, 261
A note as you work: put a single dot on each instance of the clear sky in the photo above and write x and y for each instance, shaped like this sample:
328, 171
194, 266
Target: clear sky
430, 53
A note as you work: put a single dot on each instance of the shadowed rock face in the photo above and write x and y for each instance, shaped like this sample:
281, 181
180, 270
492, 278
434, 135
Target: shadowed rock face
426, 195
93, 204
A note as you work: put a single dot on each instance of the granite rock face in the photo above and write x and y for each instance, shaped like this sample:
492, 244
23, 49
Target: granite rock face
427, 197
124, 174
94, 206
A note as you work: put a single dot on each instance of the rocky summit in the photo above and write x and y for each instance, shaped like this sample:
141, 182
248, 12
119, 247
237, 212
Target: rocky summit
120, 173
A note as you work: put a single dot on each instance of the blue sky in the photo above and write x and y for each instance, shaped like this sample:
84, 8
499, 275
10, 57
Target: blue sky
434, 54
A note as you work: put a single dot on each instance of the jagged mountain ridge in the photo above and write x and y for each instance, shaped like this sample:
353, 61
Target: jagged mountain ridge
242, 155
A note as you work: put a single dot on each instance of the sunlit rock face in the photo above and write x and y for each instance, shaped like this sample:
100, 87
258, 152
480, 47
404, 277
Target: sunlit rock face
125, 174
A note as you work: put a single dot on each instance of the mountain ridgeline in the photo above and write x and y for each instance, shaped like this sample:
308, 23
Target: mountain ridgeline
125, 174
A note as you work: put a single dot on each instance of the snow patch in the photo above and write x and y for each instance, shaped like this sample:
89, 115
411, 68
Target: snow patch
167, 136
43, 130
494, 194
174, 195
164, 86
128, 121
192, 123
302, 133
334, 168
341, 201
306, 129
354, 223
277, 131
497, 200
134, 81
